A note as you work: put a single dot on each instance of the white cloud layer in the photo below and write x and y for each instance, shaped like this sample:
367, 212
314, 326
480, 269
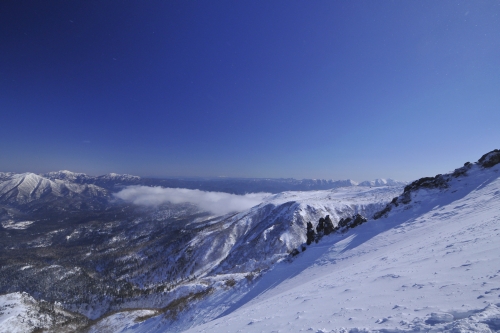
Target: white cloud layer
216, 202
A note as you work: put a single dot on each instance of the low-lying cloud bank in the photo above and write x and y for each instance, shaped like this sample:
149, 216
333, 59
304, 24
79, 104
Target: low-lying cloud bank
216, 202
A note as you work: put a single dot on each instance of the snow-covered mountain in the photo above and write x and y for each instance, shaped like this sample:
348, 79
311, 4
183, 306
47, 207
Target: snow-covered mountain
382, 182
152, 257
28, 187
426, 260
75, 177
254, 240
429, 263
21, 313
114, 182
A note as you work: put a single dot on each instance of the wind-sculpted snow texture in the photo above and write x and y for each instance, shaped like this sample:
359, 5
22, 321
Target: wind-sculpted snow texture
271, 230
229, 253
65, 239
428, 262
430, 265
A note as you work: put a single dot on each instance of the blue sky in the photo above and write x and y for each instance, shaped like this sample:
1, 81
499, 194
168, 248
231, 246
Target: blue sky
303, 89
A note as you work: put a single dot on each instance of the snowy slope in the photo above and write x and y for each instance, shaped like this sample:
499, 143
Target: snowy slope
21, 313
230, 247
431, 265
28, 187
427, 260
227, 253
257, 238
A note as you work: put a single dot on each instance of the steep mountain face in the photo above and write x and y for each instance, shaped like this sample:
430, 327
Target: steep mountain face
28, 187
423, 188
270, 231
27, 199
172, 267
370, 277
65, 239
429, 264
21, 313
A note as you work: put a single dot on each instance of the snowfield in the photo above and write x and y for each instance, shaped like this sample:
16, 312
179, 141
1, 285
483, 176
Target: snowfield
427, 260
21, 313
432, 266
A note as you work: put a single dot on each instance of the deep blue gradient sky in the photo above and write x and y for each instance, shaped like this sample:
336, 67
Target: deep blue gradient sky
303, 89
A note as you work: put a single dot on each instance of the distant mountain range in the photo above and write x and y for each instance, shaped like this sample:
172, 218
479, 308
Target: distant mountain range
26, 187
88, 261
69, 228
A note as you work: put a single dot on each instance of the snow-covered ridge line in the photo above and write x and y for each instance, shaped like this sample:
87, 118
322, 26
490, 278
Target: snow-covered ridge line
430, 266
28, 187
440, 181
240, 259
20, 313
31, 186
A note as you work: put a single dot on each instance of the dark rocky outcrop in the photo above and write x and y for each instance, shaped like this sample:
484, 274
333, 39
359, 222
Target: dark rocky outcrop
328, 225
386, 210
462, 171
321, 225
344, 222
352, 222
440, 181
358, 219
490, 159
311, 235
325, 227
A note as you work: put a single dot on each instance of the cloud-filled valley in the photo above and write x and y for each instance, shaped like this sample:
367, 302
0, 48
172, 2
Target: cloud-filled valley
216, 202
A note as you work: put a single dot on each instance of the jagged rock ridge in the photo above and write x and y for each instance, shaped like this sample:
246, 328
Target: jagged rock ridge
440, 181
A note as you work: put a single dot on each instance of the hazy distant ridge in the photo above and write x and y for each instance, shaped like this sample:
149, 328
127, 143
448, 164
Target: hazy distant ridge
113, 182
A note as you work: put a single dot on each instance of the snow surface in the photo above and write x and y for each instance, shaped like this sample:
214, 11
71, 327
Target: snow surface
28, 187
125, 320
432, 267
21, 313
12, 307
11, 224
382, 182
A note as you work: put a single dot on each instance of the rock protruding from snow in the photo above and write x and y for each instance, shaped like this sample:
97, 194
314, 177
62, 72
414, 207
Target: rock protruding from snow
310, 234
352, 222
439, 182
431, 266
490, 159
19, 312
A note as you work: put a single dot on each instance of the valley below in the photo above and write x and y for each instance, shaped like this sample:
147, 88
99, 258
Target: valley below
77, 257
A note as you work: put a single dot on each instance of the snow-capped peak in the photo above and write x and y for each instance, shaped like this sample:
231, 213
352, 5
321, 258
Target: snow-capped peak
382, 182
